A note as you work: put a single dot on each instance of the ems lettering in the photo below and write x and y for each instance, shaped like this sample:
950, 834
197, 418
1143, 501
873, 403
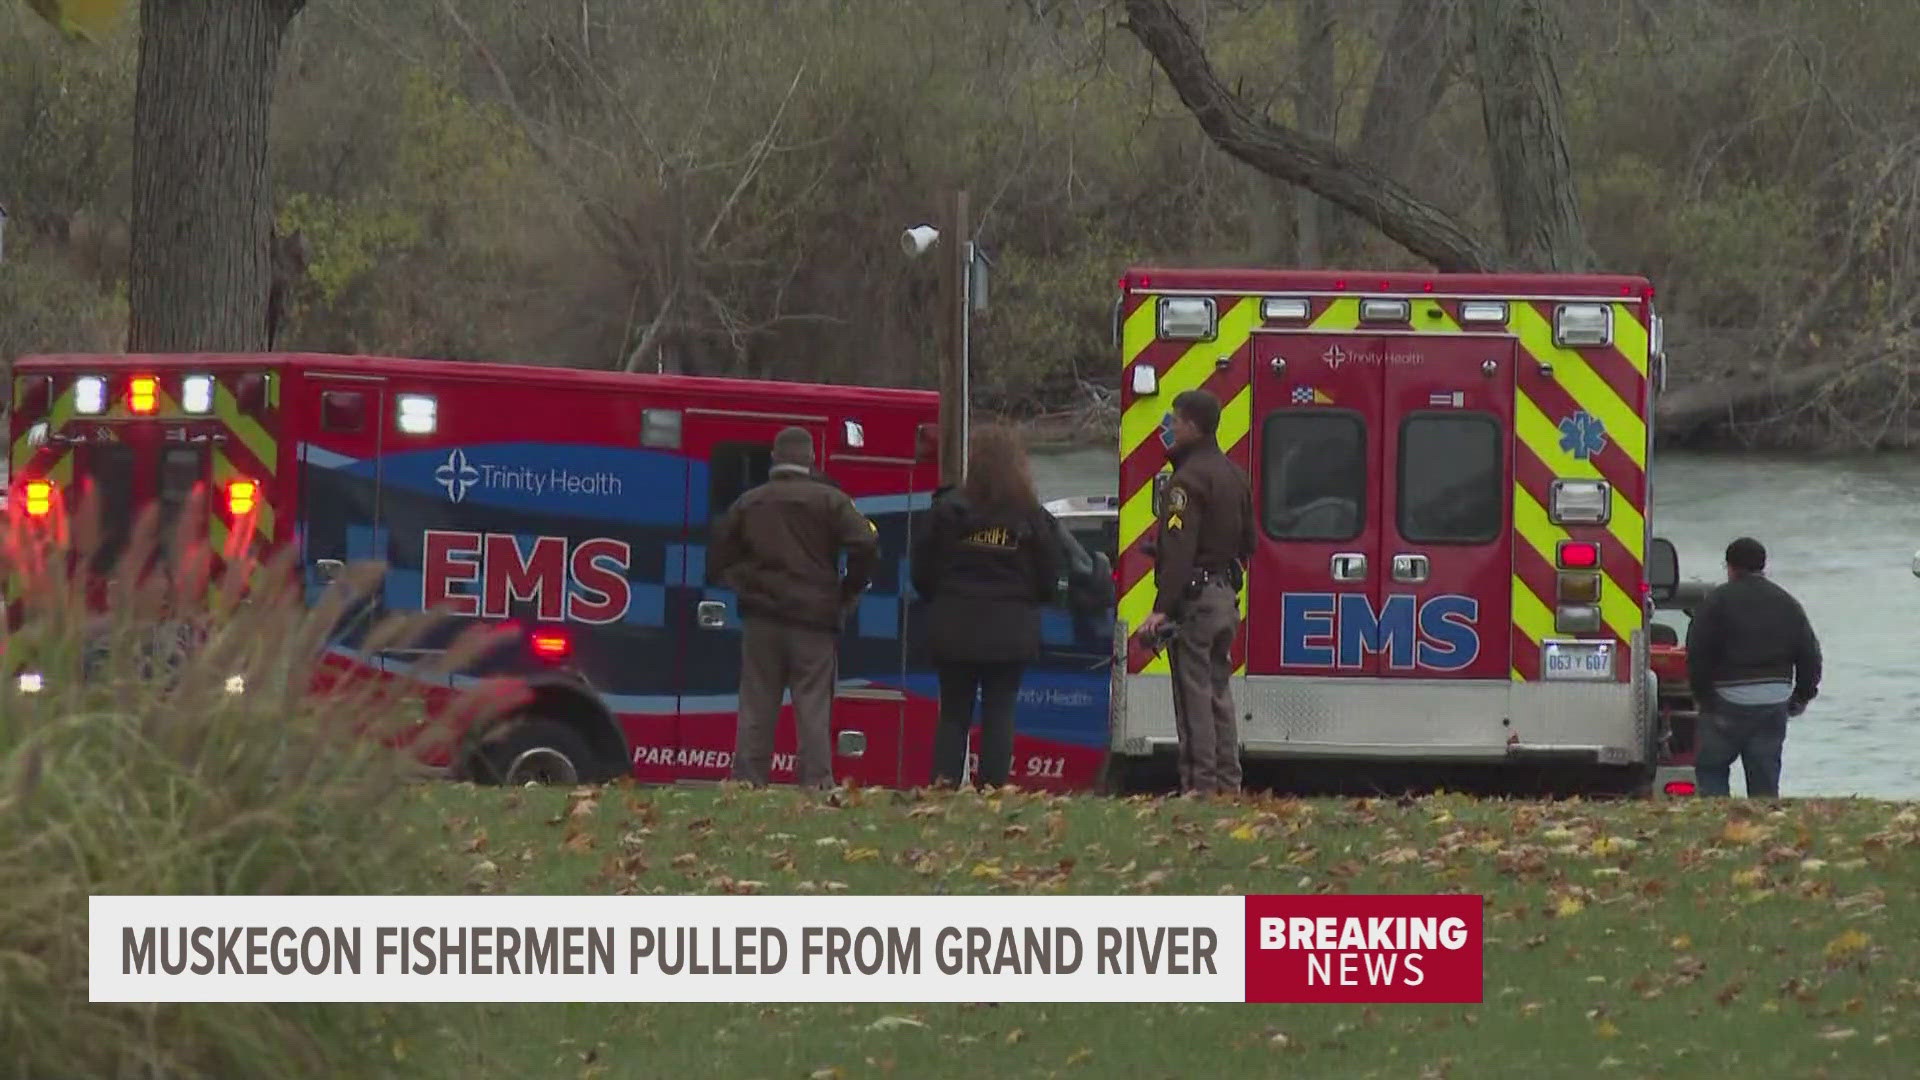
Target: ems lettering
1326, 630
484, 574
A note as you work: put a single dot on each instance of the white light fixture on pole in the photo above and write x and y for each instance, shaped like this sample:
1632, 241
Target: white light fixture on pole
964, 292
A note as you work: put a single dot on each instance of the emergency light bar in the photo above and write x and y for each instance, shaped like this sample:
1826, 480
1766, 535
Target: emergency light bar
1484, 311
1577, 325
196, 394
551, 645
1580, 502
241, 495
90, 395
1186, 318
143, 395
1274, 308
1385, 310
416, 414
39, 498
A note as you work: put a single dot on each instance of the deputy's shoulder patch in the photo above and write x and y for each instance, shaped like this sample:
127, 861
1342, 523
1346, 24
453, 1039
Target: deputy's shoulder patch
1176, 498
1174, 523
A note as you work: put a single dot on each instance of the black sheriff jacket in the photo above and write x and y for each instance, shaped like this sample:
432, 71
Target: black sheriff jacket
984, 575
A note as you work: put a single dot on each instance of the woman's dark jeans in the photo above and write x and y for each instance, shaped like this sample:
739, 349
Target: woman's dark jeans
996, 686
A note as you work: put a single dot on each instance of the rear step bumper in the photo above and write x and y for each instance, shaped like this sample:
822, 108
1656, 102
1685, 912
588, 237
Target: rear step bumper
1258, 749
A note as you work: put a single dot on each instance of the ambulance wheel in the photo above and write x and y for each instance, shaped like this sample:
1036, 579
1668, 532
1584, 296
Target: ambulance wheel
534, 751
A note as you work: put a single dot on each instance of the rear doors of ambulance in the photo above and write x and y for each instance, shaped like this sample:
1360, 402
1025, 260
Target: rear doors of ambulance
1383, 491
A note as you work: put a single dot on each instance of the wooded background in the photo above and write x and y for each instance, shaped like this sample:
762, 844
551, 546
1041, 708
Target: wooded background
718, 186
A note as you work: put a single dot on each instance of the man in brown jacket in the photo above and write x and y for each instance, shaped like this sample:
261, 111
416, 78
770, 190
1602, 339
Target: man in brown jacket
778, 547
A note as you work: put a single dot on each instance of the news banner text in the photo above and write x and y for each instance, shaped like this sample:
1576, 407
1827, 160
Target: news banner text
678, 950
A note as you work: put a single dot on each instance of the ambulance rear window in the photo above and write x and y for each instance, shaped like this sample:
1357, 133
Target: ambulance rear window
1452, 483
1313, 475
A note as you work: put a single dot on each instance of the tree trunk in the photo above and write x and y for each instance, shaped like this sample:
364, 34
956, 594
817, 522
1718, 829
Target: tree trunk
1416, 64
1314, 106
1313, 163
202, 194
1513, 46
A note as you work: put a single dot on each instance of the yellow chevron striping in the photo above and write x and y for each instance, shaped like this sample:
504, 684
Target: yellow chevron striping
1142, 418
1624, 426
254, 437
1534, 429
1531, 616
1630, 337
1621, 612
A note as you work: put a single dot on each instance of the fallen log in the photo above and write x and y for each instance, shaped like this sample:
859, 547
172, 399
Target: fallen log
1688, 413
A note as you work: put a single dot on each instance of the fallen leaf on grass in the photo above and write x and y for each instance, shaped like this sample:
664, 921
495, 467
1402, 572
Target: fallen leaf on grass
1606, 1030
865, 854
834, 1073
1568, 907
1747, 878
988, 871
1244, 832
684, 860
1015, 1036
1080, 1056
578, 842
1681, 943
1744, 832
890, 1023
1847, 944
1836, 1034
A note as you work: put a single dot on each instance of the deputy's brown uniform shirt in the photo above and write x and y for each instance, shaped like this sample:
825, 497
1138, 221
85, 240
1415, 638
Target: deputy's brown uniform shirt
1206, 523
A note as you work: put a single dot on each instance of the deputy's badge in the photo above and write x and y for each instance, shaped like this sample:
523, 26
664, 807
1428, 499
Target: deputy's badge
1176, 498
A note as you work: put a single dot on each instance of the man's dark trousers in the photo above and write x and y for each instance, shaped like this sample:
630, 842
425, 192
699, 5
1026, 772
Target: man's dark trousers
1755, 734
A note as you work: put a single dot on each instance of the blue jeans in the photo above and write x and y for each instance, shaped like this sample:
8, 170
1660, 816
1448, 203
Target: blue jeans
1755, 734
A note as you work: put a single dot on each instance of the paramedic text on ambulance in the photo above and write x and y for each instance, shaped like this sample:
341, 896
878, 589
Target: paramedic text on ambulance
1205, 541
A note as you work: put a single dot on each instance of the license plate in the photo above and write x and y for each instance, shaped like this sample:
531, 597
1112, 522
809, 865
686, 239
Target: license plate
1577, 660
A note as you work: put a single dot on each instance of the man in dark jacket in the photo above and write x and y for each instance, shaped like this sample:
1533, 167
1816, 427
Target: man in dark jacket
778, 547
1752, 662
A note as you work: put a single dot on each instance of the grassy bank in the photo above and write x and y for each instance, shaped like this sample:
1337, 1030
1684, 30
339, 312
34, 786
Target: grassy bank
1630, 940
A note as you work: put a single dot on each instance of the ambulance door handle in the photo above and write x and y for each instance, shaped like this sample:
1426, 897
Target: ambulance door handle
712, 614
1350, 566
328, 570
1411, 568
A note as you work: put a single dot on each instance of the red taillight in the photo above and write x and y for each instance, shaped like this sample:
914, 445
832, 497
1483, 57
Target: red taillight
39, 498
143, 394
551, 645
241, 496
1579, 554
1679, 787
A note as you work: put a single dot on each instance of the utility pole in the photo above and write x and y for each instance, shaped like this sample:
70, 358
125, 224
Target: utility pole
956, 275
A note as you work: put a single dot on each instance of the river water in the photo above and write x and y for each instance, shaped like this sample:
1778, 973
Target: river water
1840, 535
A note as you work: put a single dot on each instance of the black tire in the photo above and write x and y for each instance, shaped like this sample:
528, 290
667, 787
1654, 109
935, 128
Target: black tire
535, 750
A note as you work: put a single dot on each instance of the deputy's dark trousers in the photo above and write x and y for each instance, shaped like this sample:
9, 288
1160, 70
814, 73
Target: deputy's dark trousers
1201, 657
1755, 734
997, 688
776, 658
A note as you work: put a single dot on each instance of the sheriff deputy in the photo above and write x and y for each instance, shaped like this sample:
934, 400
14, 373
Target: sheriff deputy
1205, 540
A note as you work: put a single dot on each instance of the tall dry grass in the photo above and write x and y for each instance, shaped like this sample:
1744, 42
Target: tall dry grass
129, 764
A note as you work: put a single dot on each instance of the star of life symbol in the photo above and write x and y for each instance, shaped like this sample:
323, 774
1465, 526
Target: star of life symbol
1334, 356
456, 475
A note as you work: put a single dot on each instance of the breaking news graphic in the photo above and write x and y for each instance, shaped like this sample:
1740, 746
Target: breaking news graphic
1299, 949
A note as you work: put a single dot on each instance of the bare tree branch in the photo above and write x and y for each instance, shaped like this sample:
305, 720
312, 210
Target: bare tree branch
1315, 164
